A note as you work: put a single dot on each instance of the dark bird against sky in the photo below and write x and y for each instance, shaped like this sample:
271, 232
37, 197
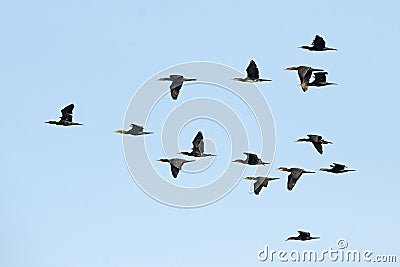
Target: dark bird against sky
252, 74
135, 130
260, 182
337, 168
252, 159
318, 44
294, 176
304, 73
66, 117
176, 85
303, 236
198, 147
316, 140
176, 165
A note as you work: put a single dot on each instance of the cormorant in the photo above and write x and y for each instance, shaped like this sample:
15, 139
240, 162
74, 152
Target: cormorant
320, 80
176, 165
294, 176
252, 159
176, 85
252, 74
303, 236
260, 182
198, 147
318, 44
66, 117
316, 140
337, 168
135, 130
304, 73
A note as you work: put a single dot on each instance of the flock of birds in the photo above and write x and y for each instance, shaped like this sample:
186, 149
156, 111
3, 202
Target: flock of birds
304, 73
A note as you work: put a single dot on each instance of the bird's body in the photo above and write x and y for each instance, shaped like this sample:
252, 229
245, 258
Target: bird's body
66, 117
337, 168
135, 130
176, 165
198, 147
294, 176
303, 236
252, 74
176, 85
320, 80
252, 159
304, 73
318, 44
260, 182
316, 140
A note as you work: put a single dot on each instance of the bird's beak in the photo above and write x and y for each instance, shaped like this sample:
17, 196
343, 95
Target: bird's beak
298, 140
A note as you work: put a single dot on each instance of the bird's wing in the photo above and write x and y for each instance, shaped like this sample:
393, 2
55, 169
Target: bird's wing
338, 166
291, 182
176, 83
175, 92
135, 129
66, 113
314, 137
252, 158
258, 184
320, 77
303, 233
174, 171
198, 143
307, 75
318, 42
177, 163
252, 71
302, 72
318, 146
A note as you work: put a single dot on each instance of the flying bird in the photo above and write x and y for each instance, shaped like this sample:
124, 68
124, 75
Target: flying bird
252, 159
318, 44
66, 117
176, 165
260, 182
135, 130
176, 85
294, 176
198, 147
304, 73
252, 74
316, 140
320, 80
337, 168
303, 236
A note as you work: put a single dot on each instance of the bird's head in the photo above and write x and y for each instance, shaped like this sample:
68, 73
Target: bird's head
291, 68
282, 169
119, 131
164, 79
249, 178
301, 140
163, 160
238, 161
291, 238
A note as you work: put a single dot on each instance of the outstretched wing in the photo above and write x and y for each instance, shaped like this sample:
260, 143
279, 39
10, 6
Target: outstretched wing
66, 113
135, 129
320, 77
252, 158
175, 92
258, 185
252, 71
198, 144
318, 42
318, 147
174, 171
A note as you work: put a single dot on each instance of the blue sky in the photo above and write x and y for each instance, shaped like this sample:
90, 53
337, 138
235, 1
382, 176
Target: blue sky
66, 195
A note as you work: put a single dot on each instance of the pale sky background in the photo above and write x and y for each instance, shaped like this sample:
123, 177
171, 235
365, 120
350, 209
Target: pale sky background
66, 195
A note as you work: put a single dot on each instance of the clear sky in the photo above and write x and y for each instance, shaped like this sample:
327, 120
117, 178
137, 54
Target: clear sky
66, 195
